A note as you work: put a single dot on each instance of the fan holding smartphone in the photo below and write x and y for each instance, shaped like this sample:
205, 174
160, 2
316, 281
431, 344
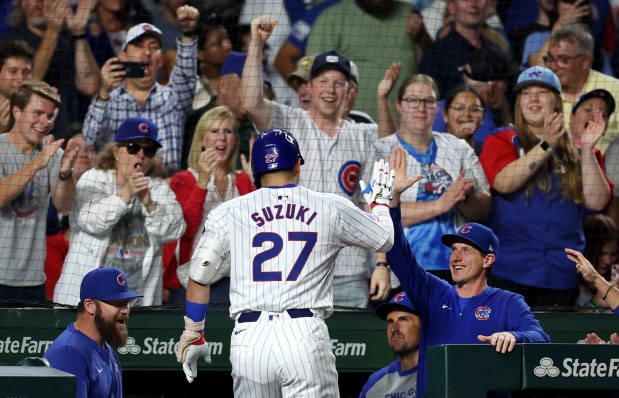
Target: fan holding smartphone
129, 82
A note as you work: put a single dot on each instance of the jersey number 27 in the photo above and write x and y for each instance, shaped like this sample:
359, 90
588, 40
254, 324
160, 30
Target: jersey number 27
260, 275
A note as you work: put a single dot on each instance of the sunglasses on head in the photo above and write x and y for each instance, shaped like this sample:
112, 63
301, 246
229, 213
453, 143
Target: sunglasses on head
133, 148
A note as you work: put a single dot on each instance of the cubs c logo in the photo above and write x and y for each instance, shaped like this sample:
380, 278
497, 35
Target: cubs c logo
482, 313
143, 128
466, 229
348, 176
147, 27
121, 280
398, 298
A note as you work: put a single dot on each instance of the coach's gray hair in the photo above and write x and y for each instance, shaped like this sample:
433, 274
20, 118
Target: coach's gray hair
575, 33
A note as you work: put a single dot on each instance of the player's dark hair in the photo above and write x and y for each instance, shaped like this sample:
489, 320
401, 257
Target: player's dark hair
15, 49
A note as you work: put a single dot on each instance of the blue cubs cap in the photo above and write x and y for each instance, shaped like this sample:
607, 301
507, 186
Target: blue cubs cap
475, 234
331, 60
538, 75
134, 128
599, 93
399, 302
106, 284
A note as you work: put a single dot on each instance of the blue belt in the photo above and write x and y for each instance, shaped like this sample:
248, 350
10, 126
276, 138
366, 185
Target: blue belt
252, 316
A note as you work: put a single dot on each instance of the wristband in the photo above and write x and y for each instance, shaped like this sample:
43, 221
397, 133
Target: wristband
195, 311
607, 291
382, 264
78, 37
65, 178
545, 146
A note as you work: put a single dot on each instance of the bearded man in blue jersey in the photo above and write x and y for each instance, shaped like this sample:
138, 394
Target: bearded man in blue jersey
86, 347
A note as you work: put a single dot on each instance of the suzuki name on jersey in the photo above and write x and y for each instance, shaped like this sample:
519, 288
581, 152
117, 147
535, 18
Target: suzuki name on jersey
280, 212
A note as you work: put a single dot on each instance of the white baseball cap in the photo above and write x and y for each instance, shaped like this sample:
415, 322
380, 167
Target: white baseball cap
143, 29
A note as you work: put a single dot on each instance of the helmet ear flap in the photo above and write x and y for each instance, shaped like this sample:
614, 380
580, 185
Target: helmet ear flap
274, 149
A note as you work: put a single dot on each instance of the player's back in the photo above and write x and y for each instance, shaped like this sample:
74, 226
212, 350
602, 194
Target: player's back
282, 243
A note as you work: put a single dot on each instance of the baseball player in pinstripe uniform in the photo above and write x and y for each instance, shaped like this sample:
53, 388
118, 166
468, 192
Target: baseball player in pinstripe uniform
337, 152
279, 245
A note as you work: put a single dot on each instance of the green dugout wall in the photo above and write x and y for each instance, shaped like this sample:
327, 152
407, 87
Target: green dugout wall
358, 338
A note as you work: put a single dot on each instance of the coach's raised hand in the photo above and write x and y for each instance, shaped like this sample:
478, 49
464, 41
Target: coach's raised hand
401, 183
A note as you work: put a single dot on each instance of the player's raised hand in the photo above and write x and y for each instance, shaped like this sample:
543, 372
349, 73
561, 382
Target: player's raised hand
262, 28
378, 192
192, 346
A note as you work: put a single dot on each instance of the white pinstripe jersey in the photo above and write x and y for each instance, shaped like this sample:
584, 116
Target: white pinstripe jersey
281, 244
334, 165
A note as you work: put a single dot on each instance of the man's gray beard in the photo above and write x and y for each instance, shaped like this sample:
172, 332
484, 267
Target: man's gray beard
108, 331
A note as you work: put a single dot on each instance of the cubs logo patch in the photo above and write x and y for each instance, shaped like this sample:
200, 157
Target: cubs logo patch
121, 280
348, 176
483, 313
399, 297
147, 27
465, 229
143, 128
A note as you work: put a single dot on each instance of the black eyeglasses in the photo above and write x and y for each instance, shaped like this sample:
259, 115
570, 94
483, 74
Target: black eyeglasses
561, 60
133, 148
429, 103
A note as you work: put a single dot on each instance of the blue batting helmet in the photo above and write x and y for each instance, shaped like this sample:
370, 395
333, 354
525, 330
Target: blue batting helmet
274, 149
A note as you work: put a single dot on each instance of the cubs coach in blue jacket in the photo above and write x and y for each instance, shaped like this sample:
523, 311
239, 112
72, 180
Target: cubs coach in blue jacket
470, 311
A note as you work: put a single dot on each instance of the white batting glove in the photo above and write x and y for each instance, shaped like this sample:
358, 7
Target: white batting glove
192, 346
381, 189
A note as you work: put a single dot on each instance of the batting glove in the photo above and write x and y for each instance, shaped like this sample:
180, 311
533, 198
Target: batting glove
379, 192
192, 346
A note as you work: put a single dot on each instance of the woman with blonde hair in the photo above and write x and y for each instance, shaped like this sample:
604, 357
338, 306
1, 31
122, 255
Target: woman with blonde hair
123, 215
544, 188
210, 180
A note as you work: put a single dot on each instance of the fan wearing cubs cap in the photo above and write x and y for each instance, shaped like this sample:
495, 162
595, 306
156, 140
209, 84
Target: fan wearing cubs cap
544, 188
291, 235
86, 347
123, 215
399, 378
337, 151
129, 87
469, 312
